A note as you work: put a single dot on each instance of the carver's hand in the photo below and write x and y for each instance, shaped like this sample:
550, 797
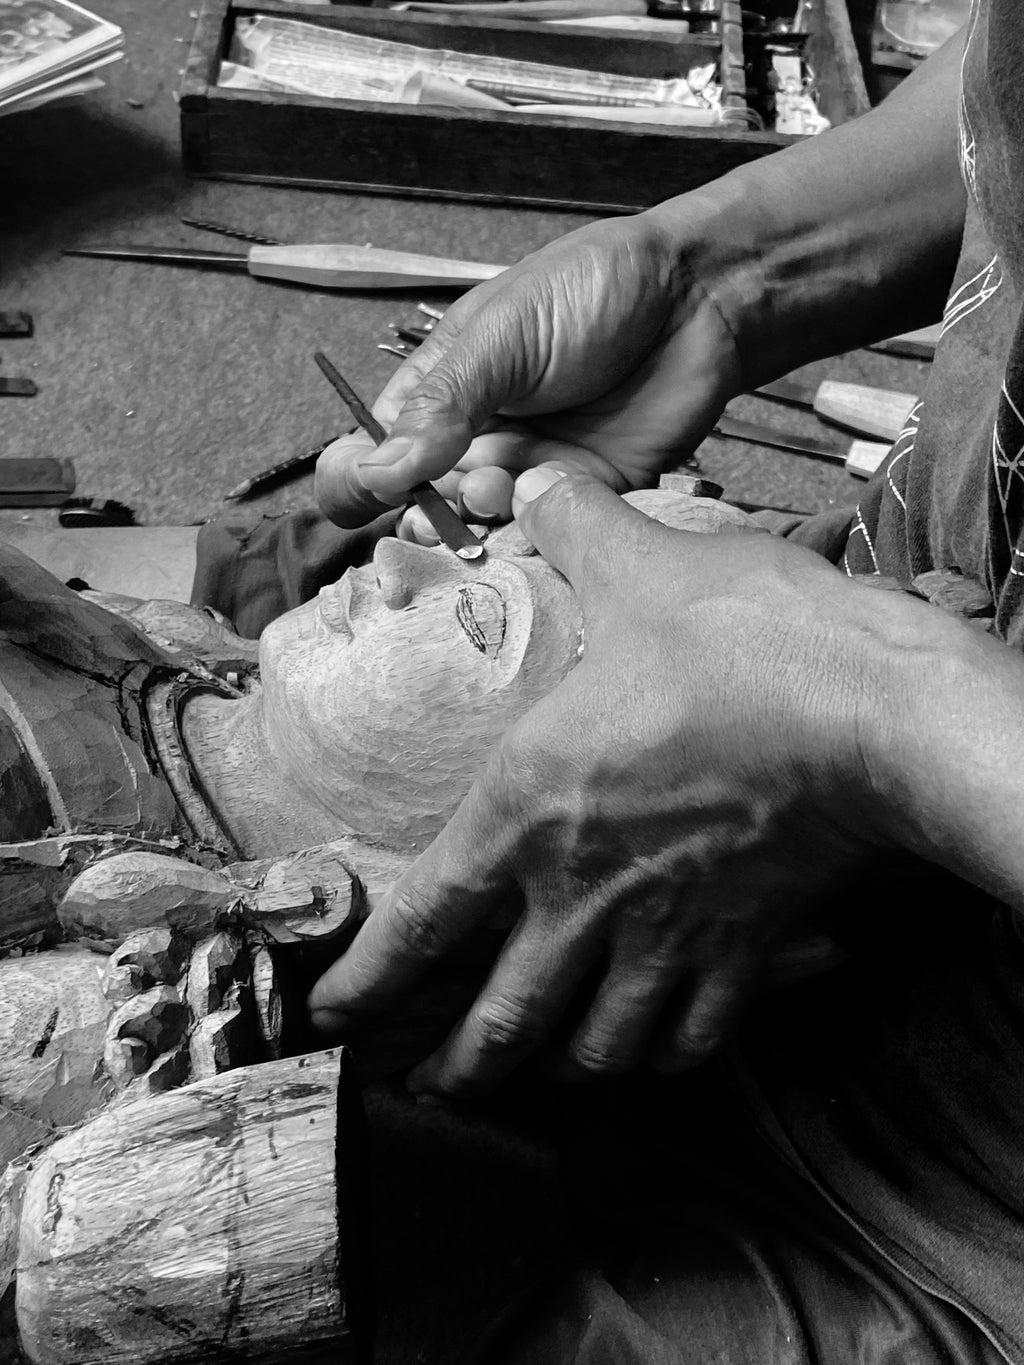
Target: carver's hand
698, 783
604, 352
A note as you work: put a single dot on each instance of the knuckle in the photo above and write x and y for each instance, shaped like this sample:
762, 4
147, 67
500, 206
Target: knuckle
417, 924
502, 1022
601, 1055
693, 1046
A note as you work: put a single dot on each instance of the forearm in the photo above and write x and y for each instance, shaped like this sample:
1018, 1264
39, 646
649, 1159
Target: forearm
949, 751
837, 241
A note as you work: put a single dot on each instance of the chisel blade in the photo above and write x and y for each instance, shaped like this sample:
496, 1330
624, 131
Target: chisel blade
755, 432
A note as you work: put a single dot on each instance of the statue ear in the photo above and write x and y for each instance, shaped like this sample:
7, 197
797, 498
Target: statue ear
40, 613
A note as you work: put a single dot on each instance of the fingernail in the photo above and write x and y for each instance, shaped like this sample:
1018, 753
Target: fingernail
329, 1021
385, 456
534, 482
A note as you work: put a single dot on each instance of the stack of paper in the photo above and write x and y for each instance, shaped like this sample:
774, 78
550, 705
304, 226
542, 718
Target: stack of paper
51, 49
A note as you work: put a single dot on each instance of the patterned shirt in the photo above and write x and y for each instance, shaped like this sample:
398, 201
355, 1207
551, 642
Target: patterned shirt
905, 1102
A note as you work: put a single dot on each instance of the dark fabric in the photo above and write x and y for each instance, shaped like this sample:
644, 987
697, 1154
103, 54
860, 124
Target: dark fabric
700, 1244
951, 493
905, 1100
252, 567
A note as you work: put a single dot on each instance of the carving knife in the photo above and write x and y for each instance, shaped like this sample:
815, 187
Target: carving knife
881, 413
448, 525
338, 266
861, 458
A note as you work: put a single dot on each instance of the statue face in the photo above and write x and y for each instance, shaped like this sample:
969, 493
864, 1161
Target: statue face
384, 695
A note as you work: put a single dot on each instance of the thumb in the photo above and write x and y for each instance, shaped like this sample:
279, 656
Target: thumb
446, 393
582, 528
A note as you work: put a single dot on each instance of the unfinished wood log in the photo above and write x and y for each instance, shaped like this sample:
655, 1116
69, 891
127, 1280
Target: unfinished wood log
199, 1227
53, 1018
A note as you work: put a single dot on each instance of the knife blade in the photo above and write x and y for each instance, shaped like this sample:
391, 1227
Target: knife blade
869, 411
860, 458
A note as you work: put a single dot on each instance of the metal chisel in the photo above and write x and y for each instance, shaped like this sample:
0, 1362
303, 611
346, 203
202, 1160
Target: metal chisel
919, 345
881, 413
338, 266
861, 458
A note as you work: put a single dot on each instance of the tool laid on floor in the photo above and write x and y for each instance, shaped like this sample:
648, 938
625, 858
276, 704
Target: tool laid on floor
43, 482
861, 458
16, 324
919, 345
279, 473
448, 525
17, 386
337, 266
226, 230
881, 413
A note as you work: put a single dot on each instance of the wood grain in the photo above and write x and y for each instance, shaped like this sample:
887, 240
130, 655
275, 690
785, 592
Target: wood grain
198, 1226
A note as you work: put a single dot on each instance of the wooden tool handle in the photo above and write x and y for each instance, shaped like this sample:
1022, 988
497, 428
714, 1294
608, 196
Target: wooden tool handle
872, 412
364, 267
864, 457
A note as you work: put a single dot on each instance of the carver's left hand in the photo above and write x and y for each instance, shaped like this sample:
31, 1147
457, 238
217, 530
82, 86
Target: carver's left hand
667, 814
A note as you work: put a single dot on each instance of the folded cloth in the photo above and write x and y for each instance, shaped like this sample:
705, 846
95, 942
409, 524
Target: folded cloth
251, 567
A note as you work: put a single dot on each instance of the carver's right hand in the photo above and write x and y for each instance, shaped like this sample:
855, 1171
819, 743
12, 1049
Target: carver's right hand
611, 351
604, 353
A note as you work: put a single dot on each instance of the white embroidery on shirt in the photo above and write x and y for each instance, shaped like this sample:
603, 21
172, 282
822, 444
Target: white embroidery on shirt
859, 526
961, 303
965, 138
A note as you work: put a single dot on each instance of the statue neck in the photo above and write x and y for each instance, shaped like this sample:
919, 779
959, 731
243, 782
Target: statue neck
262, 808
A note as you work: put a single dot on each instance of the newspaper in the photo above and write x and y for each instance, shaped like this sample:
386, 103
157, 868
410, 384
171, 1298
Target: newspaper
270, 53
49, 50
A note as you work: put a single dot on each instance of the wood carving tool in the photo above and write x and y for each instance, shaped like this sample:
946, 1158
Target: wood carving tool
881, 413
448, 525
861, 458
16, 324
15, 386
278, 473
224, 230
36, 482
919, 345
326, 267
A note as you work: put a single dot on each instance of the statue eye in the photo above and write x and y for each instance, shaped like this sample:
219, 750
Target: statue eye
480, 611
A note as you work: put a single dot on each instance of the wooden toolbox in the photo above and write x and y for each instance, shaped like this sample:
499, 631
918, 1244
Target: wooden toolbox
488, 155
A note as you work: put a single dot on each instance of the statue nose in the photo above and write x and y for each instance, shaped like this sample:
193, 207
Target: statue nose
396, 564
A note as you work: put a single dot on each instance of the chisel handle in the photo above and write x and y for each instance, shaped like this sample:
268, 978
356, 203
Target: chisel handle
864, 457
872, 412
363, 267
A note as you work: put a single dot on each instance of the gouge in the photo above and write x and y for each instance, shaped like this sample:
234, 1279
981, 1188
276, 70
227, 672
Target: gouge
861, 458
919, 345
326, 267
881, 413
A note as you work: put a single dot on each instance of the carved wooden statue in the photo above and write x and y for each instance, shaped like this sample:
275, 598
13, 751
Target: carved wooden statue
177, 830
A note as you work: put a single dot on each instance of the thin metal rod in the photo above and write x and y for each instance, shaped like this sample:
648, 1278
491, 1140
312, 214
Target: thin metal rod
209, 225
449, 526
